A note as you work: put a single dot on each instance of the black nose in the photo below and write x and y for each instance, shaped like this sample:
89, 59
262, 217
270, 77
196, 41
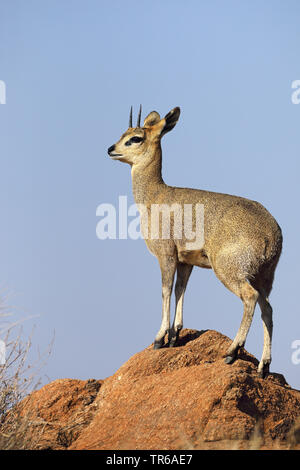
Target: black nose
111, 149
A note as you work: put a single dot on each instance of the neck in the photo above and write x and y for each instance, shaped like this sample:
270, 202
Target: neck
147, 178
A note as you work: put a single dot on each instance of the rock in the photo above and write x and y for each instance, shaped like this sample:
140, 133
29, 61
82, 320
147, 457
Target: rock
52, 417
172, 398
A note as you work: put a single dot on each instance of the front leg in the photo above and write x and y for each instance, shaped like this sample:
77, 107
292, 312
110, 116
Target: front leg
168, 265
183, 275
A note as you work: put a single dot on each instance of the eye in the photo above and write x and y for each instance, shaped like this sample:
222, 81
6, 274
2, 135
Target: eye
134, 140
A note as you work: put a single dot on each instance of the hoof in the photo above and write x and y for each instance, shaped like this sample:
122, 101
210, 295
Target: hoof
172, 342
173, 339
264, 371
230, 359
158, 344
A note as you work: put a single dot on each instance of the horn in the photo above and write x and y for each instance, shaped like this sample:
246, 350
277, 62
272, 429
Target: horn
130, 117
138, 124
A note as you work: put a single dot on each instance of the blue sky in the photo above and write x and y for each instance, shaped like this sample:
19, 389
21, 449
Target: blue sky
72, 70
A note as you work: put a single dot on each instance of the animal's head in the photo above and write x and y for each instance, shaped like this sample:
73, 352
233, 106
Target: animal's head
138, 143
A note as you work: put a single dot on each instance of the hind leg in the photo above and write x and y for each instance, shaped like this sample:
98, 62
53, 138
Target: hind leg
263, 283
249, 297
232, 266
266, 315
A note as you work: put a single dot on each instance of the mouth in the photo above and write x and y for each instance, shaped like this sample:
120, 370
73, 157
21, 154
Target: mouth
115, 156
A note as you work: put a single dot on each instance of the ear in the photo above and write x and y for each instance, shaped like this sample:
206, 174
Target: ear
152, 119
170, 120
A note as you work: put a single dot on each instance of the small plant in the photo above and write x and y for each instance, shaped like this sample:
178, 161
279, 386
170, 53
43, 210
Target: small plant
18, 378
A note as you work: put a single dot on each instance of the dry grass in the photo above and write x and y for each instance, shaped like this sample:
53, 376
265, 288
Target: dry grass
258, 441
293, 437
18, 378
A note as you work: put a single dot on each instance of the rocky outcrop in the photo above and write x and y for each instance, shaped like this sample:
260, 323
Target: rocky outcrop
173, 398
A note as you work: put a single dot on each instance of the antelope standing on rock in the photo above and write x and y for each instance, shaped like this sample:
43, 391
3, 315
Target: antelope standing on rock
242, 241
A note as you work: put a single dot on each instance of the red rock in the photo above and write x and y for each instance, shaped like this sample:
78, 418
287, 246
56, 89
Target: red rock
172, 398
